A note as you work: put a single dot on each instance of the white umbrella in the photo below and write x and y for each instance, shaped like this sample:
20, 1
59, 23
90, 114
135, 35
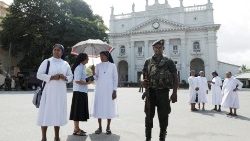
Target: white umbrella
92, 47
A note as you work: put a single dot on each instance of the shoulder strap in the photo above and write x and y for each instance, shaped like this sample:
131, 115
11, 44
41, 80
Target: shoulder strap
47, 71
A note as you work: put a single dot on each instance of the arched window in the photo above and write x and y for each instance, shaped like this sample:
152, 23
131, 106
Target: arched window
122, 50
196, 47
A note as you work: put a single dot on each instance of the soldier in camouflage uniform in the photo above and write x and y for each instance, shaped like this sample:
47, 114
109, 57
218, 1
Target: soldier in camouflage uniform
160, 75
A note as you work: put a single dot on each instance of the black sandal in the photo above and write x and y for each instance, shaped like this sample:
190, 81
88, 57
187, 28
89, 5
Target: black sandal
108, 132
79, 133
234, 115
98, 131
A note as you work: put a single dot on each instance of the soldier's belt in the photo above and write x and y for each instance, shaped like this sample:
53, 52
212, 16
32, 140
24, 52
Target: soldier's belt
158, 89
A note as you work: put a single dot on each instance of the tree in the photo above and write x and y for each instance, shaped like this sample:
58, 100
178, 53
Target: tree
33, 26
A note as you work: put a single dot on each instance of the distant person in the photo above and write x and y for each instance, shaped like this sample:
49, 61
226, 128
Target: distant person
216, 85
7, 83
105, 106
13, 83
193, 90
140, 83
53, 104
230, 97
203, 89
79, 106
21, 80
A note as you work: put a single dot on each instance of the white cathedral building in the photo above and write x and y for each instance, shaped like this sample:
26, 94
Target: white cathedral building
189, 34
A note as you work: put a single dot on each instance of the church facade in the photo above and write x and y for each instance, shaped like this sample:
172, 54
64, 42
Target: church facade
190, 36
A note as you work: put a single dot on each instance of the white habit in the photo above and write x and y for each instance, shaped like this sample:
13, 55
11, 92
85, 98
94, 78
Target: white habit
106, 81
230, 98
203, 88
53, 104
193, 83
216, 90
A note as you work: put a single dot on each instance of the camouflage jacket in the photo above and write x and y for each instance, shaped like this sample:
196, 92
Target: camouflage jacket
159, 73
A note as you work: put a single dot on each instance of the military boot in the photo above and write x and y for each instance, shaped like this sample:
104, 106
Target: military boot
148, 134
162, 135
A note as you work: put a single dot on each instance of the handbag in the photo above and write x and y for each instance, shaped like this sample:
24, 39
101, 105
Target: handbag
90, 78
38, 93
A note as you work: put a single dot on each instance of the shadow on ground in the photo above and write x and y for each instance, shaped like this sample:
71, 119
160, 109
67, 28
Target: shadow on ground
94, 137
76, 138
104, 137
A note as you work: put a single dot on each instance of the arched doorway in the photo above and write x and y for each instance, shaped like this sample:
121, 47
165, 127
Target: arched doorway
197, 64
123, 72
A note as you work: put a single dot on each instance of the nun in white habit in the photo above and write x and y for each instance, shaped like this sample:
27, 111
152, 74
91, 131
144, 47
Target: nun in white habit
203, 89
53, 104
193, 88
230, 97
105, 106
216, 84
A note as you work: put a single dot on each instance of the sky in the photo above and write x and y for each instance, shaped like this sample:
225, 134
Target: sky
234, 16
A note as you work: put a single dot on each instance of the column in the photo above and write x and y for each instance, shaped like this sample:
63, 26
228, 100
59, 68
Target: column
146, 49
132, 70
212, 50
167, 48
184, 73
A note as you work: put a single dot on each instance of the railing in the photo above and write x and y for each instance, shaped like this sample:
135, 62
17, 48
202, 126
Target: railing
122, 16
170, 10
195, 8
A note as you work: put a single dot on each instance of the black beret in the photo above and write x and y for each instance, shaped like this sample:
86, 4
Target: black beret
160, 42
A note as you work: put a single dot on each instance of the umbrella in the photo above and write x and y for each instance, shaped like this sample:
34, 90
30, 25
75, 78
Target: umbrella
92, 47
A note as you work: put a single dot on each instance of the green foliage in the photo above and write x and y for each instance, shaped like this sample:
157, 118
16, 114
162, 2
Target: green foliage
33, 26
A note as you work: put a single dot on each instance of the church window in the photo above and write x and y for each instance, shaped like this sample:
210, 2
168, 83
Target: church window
122, 50
175, 49
196, 47
139, 50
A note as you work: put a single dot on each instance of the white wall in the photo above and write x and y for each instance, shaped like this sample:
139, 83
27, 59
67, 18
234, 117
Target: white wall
225, 67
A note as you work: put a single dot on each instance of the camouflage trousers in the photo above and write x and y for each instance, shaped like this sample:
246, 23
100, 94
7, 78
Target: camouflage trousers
157, 98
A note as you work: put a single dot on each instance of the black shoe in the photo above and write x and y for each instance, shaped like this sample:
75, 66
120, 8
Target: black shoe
148, 132
162, 136
98, 131
108, 132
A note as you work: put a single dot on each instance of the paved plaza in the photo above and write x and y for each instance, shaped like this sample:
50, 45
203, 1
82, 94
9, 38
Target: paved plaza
18, 120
